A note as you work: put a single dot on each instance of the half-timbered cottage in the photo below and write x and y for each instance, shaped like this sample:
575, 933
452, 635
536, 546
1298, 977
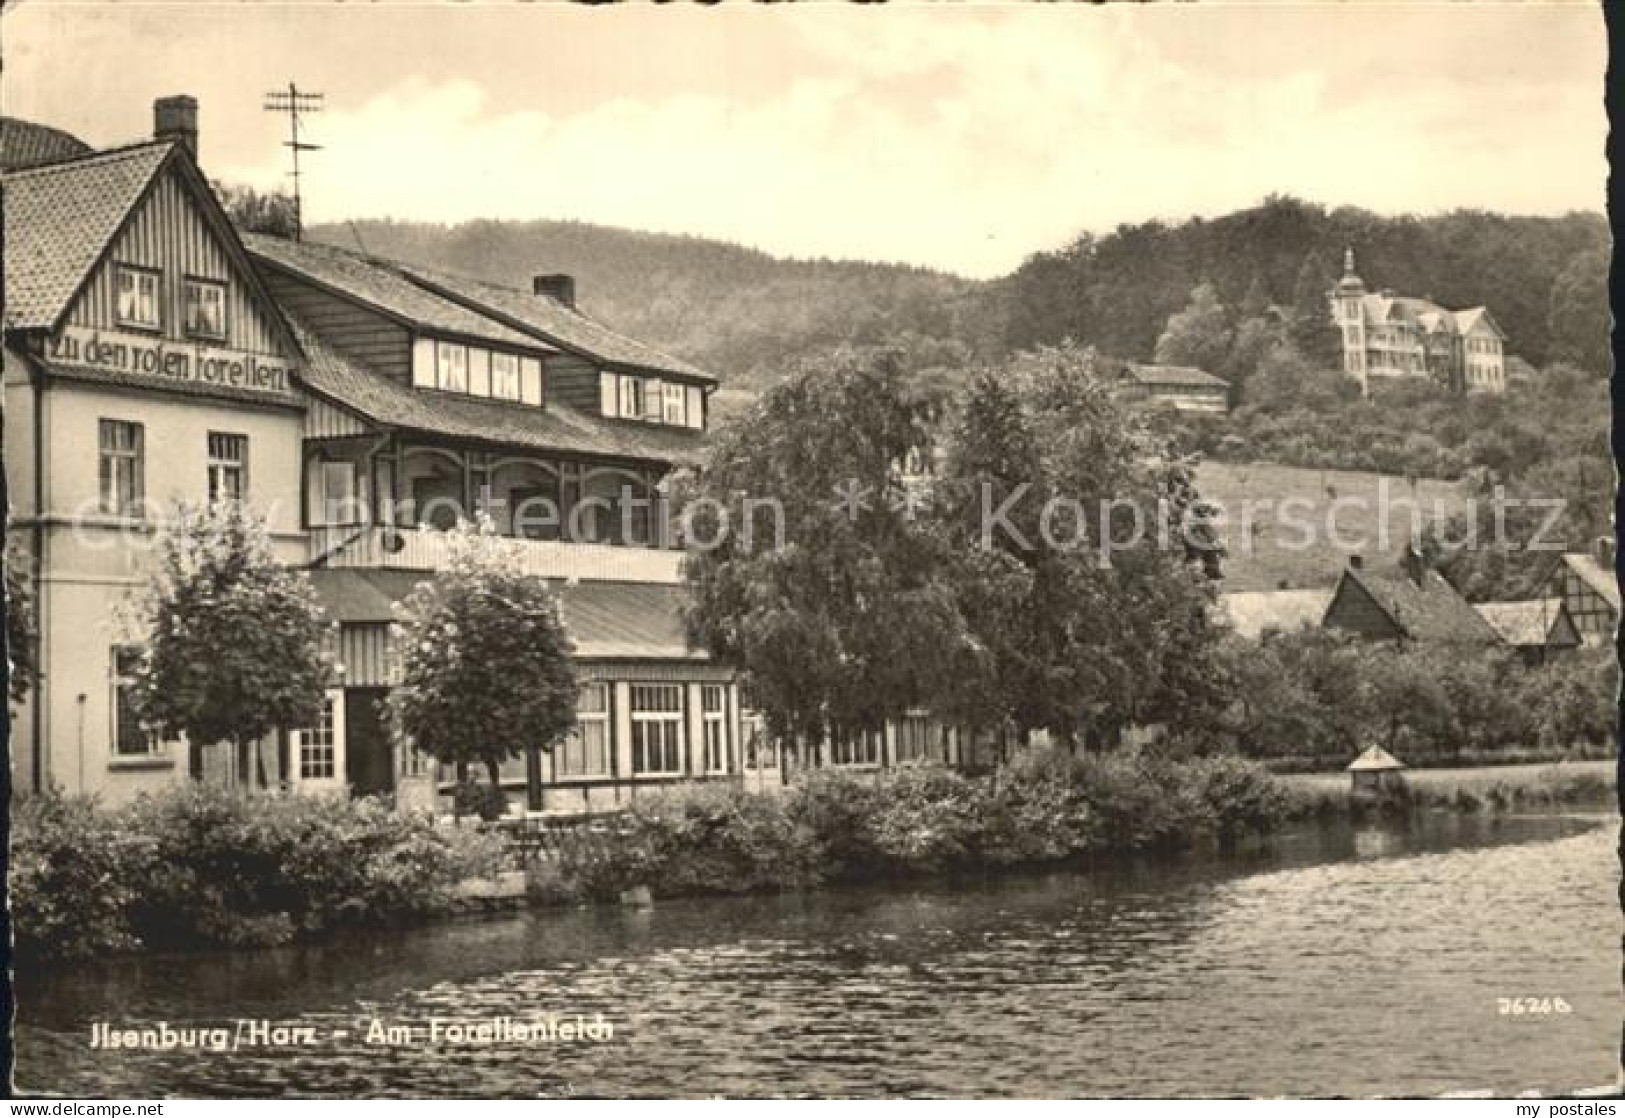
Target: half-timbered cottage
1413, 603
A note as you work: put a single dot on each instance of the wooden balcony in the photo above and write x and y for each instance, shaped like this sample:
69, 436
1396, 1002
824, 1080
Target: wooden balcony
425, 549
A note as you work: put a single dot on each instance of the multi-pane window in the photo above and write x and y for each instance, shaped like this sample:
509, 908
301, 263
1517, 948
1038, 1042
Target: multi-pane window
862, 748
451, 367
675, 405
205, 309
586, 751
504, 376
714, 720
228, 466
130, 738
120, 467
631, 398
657, 729
138, 303
318, 748
338, 503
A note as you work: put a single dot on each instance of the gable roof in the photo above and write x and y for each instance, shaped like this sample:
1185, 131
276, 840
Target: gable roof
1375, 760
557, 427
552, 321
1251, 612
1429, 610
606, 620
375, 284
26, 144
1181, 376
60, 219
1530, 624
1474, 316
1598, 578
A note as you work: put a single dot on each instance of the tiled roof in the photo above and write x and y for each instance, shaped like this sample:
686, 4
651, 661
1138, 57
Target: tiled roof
26, 144
1598, 577
1182, 376
554, 322
1472, 316
1375, 759
606, 620
1430, 610
1523, 624
557, 427
60, 218
1251, 612
376, 284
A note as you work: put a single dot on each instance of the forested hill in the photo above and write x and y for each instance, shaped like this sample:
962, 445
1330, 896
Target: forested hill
1543, 278
746, 314
734, 310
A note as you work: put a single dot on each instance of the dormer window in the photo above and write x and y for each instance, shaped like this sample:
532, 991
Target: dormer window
451, 367
651, 400
138, 303
504, 376
205, 309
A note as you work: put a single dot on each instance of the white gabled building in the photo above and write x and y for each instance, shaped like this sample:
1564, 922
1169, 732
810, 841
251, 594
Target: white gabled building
1389, 336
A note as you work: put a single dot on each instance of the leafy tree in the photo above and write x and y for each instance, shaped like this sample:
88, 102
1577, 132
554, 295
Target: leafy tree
810, 570
1578, 318
1077, 579
237, 645
1311, 328
1199, 335
483, 610
1257, 300
253, 212
22, 631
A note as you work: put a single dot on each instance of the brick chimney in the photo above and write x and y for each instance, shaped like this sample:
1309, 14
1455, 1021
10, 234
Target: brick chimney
175, 118
1356, 562
1416, 567
556, 286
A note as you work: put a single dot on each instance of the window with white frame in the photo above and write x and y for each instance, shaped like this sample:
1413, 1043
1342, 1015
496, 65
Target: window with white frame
657, 729
121, 464
714, 721
631, 398
674, 405
228, 466
318, 746
338, 503
137, 299
585, 753
505, 376
130, 738
451, 367
205, 309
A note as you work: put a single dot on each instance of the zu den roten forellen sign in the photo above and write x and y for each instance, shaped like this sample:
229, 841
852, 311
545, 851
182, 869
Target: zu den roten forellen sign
163, 359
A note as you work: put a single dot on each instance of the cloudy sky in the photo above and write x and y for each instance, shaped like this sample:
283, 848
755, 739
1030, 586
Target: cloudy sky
961, 138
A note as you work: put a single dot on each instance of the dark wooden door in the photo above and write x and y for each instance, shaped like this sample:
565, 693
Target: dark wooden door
369, 760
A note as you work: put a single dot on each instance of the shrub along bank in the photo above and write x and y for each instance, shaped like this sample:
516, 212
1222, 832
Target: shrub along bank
834, 826
199, 866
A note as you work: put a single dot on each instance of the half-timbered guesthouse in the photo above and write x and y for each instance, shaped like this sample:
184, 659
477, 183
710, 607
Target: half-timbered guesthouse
145, 363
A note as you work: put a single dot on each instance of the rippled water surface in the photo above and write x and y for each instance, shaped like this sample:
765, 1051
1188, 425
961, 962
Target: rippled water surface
1336, 962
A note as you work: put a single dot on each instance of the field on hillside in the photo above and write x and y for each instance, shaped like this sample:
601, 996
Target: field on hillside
1292, 527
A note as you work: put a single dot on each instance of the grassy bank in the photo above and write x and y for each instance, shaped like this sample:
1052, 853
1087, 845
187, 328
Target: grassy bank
1480, 788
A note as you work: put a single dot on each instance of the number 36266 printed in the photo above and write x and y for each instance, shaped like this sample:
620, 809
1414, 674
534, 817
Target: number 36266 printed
1521, 1007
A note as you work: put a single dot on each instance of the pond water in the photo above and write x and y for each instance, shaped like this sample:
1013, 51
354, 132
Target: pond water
1337, 961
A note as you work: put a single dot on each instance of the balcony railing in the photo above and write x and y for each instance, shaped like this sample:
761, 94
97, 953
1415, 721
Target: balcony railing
425, 549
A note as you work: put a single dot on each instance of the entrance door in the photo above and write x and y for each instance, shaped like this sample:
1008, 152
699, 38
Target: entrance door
369, 756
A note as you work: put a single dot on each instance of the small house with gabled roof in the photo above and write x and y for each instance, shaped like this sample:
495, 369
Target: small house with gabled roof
1413, 603
1533, 629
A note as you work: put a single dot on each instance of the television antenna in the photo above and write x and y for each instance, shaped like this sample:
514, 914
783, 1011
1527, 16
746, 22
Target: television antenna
295, 104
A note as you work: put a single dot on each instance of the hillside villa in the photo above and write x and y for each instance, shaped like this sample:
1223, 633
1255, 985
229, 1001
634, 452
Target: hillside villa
1389, 336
